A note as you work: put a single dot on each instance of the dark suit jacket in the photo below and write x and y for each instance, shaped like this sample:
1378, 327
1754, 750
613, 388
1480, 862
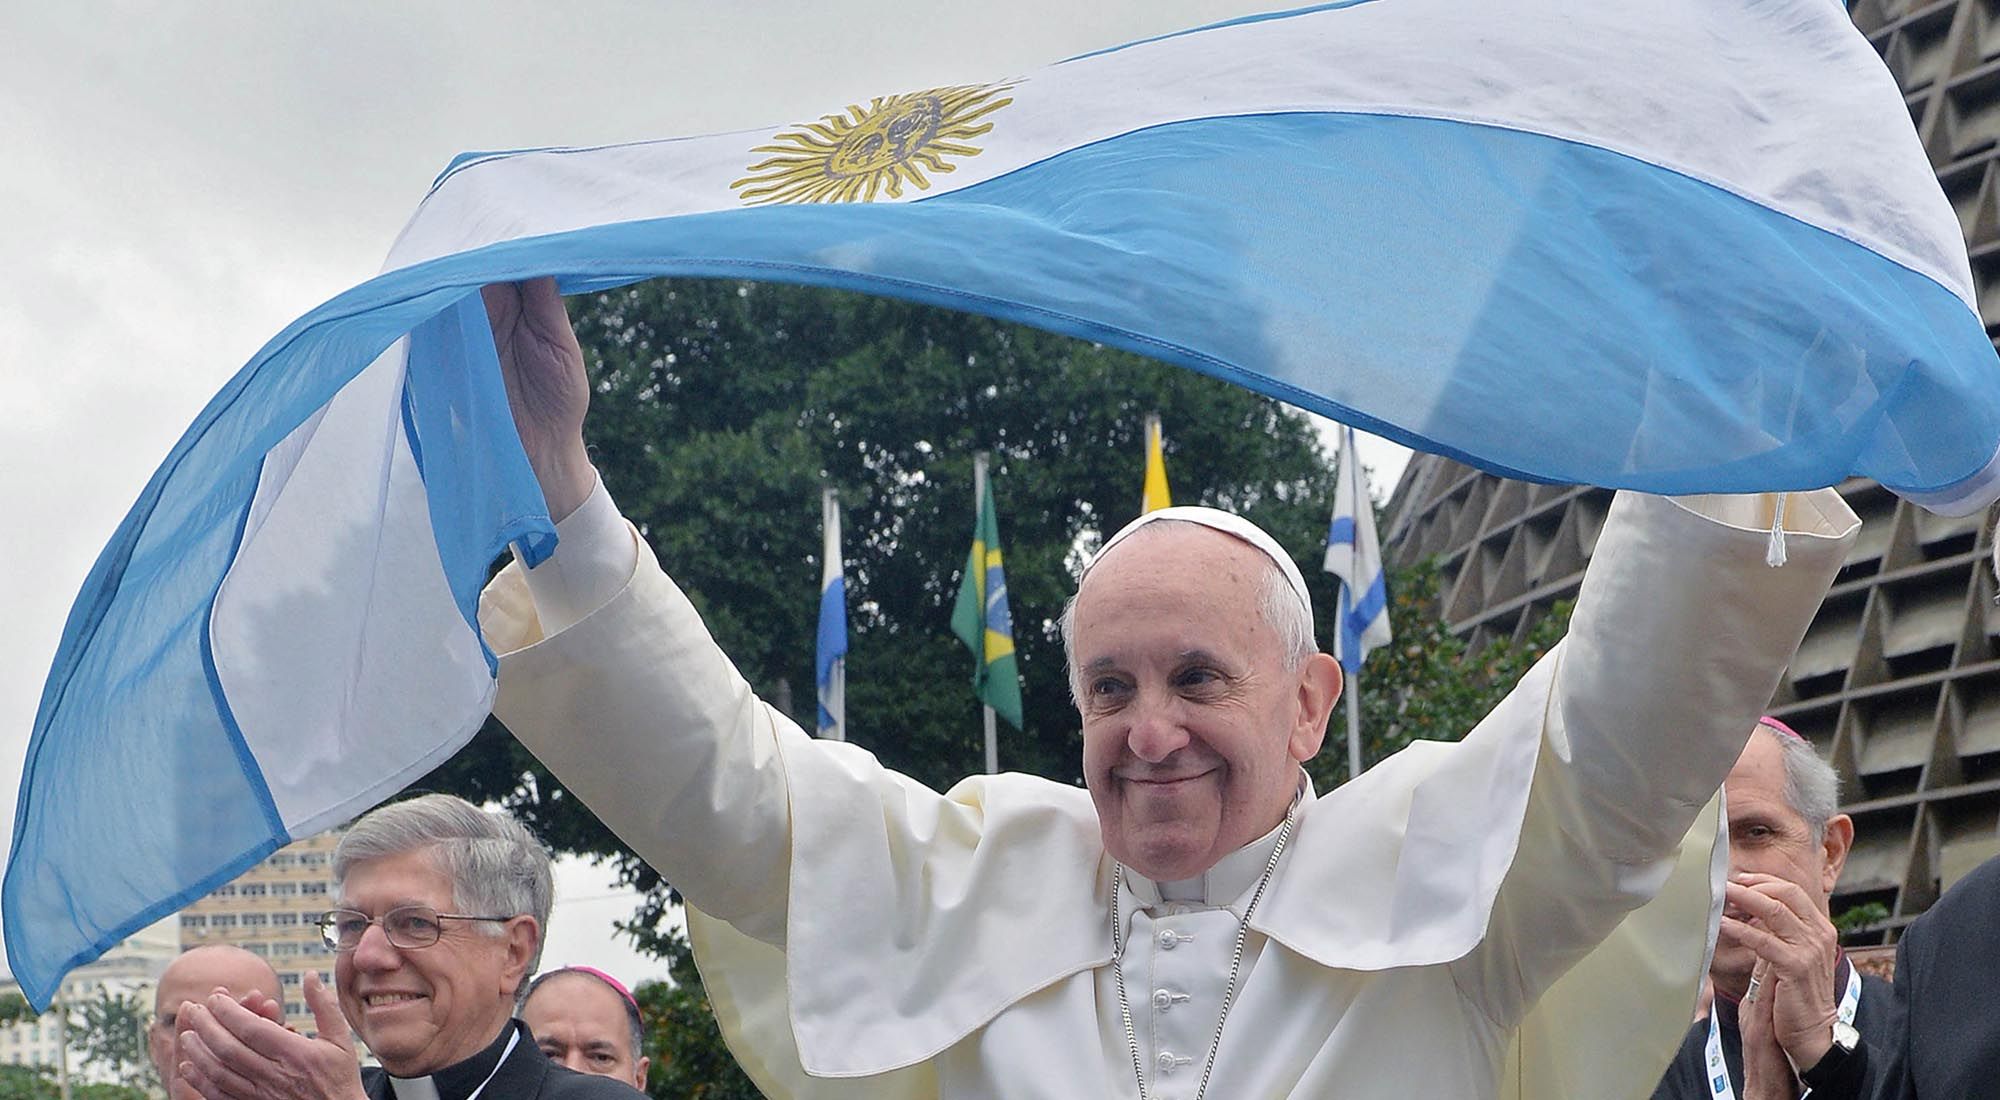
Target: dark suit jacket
1948, 982
527, 1074
1878, 1018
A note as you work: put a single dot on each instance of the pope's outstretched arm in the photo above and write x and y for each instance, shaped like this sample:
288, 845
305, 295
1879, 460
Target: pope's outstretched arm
700, 796
547, 387
1681, 633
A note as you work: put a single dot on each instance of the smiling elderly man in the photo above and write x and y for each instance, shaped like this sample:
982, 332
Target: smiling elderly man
1200, 921
441, 907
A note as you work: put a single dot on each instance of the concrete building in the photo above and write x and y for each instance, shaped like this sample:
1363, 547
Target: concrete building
271, 910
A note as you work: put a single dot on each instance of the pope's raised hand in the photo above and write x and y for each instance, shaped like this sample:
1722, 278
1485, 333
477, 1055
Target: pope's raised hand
547, 387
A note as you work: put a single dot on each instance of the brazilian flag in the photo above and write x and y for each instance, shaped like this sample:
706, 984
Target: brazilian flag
981, 621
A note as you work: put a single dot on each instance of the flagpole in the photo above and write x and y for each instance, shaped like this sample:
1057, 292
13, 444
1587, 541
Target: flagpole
1353, 694
979, 502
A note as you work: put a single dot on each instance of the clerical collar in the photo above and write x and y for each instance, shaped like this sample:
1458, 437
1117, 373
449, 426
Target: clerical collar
464, 1080
1231, 879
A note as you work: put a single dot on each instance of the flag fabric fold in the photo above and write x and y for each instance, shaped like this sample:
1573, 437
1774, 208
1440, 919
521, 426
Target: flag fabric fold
830, 660
1687, 247
1156, 495
981, 620
1353, 555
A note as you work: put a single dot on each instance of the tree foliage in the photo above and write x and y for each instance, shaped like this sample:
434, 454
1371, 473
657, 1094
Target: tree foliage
1424, 685
109, 1030
39, 1083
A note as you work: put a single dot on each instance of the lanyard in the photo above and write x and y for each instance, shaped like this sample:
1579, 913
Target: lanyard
1719, 1087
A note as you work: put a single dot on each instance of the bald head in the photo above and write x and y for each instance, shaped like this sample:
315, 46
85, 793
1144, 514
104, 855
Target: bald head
193, 976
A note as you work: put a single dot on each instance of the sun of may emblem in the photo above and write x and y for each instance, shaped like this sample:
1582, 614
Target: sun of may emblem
873, 150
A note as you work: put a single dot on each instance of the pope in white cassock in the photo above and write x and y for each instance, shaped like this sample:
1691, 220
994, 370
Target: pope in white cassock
1516, 914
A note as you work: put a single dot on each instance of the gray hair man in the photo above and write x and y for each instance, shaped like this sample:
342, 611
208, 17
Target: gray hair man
1790, 1013
438, 920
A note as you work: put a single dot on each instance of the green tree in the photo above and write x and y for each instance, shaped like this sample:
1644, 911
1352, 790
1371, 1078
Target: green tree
15, 1008
1424, 685
109, 1030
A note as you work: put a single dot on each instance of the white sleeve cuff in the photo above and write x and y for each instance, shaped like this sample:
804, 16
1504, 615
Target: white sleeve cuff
593, 561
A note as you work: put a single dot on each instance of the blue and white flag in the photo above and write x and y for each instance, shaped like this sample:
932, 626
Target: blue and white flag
1680, 247
830, 662
1353, 555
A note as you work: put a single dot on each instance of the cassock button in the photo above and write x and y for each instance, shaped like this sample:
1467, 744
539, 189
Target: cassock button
1162, 1000
1168, 940
1167, 1061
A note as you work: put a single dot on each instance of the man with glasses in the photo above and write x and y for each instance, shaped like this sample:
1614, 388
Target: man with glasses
439, 919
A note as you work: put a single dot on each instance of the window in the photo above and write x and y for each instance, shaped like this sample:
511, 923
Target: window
284, 950
295, 1008
285, 919
253, 889
193, 920
257, 949
312, 859
223, 920
255, 920
312, 889
283, 859
289, 977
227, 890
284, 889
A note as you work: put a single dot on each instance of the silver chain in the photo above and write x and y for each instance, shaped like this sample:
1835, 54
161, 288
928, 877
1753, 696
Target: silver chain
1235, 963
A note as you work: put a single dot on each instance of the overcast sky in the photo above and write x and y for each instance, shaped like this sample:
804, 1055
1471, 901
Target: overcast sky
183, 179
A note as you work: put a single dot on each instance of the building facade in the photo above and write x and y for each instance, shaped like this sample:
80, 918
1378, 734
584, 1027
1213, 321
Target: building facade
272, 910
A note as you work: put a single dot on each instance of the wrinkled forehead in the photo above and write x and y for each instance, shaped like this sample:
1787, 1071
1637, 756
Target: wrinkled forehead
1201, 526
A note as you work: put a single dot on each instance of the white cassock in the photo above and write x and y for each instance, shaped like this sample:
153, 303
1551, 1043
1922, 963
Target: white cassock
861, 935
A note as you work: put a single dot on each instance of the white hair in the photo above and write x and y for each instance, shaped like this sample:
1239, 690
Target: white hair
1276, 601
495, 865
1812, 787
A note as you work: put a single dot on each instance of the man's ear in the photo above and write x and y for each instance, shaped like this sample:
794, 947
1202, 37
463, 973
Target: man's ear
524, 937
1319, 689
1839, 841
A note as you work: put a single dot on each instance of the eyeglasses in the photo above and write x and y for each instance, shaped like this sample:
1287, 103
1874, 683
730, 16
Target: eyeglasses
409, 927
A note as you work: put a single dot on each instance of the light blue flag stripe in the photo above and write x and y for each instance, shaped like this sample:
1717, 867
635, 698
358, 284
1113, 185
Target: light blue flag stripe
1534, 306
831, 640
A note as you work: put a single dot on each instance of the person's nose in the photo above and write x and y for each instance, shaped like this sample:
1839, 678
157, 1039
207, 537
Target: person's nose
1156, 732
375, 952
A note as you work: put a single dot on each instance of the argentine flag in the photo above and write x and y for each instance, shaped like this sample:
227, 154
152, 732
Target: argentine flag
830, 661
1353, 555
1681, 247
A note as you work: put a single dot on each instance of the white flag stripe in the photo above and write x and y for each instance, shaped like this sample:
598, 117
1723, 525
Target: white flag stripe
1730, 61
